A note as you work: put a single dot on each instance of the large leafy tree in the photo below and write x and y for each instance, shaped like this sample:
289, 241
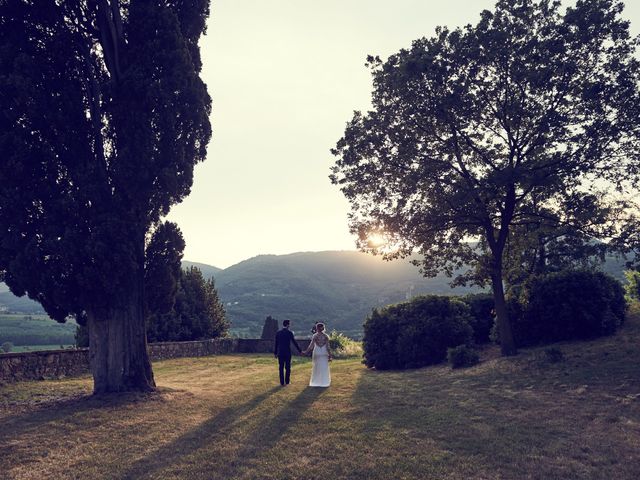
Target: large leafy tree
476, 133
103, 117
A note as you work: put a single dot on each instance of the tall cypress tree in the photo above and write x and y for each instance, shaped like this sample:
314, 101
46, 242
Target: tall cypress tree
104, 116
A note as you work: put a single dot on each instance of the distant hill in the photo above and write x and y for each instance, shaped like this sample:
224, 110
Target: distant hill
339, 288
9, 302
208, 271
37, 329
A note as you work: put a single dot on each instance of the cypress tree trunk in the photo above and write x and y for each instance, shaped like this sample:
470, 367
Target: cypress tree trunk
118, 345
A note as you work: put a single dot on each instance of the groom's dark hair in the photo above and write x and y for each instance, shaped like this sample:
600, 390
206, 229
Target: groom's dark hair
285, 323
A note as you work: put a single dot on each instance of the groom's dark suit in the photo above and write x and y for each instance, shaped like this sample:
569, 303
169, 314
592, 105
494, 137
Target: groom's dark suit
282, 350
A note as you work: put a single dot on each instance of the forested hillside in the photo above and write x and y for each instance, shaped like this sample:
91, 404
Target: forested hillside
339, 288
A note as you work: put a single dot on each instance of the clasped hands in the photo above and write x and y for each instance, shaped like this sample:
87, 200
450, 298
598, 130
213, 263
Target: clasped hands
306, 354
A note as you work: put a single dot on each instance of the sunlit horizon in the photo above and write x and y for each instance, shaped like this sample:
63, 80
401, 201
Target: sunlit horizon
285, 77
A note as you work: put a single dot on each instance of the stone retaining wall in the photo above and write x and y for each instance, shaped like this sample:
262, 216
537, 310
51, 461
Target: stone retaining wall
48, 364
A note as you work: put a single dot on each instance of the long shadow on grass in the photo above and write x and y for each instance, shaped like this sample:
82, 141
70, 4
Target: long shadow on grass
273, 429
509, 423
183, 450
196, 439
59, 410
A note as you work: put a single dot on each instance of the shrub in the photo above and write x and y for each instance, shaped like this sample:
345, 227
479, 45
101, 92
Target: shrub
343, 346
482, 320
380, 337
632, 286
338, 341
7, 347
462, 356
569, 305
416, 333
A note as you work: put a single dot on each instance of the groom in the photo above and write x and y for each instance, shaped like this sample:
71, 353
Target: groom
282, 351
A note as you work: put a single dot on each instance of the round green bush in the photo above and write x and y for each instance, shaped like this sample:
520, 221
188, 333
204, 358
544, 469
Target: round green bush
462, 356
569, 305
416, 333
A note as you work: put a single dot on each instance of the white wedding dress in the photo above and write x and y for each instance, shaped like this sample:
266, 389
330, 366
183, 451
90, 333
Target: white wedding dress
320, 374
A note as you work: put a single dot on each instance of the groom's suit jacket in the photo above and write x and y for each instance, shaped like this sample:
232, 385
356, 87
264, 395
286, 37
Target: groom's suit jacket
284, 338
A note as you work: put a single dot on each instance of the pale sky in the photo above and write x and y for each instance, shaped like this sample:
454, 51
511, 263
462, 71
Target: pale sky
285, 77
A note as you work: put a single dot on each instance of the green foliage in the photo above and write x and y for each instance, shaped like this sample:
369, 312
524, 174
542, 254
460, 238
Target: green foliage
197, 313
462, 356
632, 287
478, 131
342, 346
416, 333
101, 138
7, 347
482, 315
162, 269
104, 117
338, 341
569, 305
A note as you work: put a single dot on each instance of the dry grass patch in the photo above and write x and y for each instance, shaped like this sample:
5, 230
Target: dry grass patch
226, 418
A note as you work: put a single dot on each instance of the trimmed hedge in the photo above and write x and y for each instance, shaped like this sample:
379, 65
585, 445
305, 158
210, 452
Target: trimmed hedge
569, 305
416, 333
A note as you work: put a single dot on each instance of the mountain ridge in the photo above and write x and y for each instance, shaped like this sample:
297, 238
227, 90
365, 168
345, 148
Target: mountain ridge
339, 287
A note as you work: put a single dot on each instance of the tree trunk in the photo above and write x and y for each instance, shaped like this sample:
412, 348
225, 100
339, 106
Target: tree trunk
118, 345
507, 343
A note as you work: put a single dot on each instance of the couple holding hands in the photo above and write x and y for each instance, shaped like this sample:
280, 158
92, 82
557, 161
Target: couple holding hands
320, 357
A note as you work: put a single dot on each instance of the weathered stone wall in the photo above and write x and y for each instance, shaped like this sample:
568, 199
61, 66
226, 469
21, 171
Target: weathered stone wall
15, 367
48, 364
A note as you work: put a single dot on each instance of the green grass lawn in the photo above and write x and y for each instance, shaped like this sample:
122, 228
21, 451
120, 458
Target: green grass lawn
225, 417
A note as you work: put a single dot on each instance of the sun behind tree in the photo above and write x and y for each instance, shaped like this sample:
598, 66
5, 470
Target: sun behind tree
477, 132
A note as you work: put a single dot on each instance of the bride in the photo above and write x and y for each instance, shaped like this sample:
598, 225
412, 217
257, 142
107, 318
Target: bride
320, 374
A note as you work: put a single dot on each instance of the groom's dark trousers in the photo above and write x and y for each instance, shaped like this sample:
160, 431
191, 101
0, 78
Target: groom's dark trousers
282, 350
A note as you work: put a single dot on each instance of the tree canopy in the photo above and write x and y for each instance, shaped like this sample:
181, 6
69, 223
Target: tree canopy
196, 314
525, 119
104, 116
